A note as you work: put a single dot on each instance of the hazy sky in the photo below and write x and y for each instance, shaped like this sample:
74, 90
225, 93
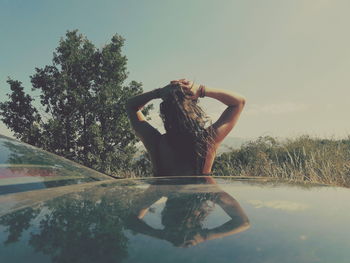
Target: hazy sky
289, 58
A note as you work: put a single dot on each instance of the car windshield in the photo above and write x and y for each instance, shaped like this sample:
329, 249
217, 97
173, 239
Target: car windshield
24, 167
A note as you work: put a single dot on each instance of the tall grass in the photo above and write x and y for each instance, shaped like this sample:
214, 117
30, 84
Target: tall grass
300, 159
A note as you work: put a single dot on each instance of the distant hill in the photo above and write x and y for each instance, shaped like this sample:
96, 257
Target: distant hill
232, 142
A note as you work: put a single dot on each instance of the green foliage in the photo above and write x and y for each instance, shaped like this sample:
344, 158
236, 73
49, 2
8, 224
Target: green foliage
300, 159
142, 166
19, 115
83, 96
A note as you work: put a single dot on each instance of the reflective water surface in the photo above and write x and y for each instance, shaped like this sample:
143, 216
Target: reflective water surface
177, 220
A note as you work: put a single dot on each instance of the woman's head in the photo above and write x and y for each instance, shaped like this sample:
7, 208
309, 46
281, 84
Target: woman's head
180, 113
184, 215
184, 121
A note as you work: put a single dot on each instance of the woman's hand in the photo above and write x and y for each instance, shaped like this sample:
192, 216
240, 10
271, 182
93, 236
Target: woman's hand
189, 86
165, 91
194, 239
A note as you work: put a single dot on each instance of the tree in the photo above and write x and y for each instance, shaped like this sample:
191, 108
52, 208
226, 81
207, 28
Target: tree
142, 165
19, 115
83, 97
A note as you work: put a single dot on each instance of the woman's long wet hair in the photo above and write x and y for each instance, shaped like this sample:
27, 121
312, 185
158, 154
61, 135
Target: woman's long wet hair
184, 122
184, 215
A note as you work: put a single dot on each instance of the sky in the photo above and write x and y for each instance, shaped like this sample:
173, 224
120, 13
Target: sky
289, 58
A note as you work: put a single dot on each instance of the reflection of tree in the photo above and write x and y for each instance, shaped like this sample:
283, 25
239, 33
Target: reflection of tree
17, 222
80, 227
82, 231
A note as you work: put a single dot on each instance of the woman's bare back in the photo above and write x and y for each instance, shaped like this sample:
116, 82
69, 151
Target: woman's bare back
168, 162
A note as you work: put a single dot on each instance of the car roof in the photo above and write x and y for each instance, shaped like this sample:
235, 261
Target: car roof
274, 220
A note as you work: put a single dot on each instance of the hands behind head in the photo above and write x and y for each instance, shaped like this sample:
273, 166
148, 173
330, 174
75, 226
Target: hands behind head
188, 86
193, 239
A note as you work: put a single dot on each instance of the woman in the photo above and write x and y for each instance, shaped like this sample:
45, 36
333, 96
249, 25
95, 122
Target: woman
187, 147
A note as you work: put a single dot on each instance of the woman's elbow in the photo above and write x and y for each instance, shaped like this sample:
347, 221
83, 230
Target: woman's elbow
130, 106
242, 102
245, 225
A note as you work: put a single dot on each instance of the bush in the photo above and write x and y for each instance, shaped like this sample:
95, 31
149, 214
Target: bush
300, 159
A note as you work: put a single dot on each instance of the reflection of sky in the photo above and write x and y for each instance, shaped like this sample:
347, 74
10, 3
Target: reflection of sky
288, 224
153, 217
20, 250
278, 204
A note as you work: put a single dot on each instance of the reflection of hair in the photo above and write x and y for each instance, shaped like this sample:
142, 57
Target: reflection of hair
185, 214
184, 122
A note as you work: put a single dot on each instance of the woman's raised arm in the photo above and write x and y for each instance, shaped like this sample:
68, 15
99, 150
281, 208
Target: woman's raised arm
145, 131
235, 104
228, 119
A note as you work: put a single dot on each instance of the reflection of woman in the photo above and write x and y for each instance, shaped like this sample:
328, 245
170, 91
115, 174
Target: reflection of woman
187, 147
185, 211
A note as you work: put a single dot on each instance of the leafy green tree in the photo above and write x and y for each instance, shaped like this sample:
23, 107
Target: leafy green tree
83, 96
142, 165
19, 115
